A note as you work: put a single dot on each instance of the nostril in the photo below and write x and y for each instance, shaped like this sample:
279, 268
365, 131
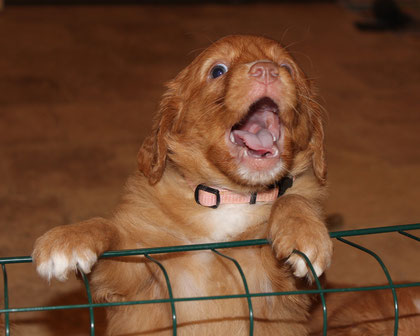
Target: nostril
257, 71
274, 72
264, 72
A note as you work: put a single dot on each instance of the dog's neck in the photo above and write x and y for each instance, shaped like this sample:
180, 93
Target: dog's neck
212, 197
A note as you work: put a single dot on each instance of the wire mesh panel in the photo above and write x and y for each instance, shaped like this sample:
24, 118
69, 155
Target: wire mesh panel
340, 236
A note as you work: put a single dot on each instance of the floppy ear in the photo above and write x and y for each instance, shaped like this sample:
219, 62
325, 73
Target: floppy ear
153, 152
314, 114
319, 162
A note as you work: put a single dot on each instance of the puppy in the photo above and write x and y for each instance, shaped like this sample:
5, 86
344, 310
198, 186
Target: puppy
369, 313
236, 152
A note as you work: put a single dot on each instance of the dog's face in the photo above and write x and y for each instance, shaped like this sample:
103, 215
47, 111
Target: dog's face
241, 115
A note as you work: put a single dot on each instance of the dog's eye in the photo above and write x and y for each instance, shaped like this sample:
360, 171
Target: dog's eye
287, 67
218, 70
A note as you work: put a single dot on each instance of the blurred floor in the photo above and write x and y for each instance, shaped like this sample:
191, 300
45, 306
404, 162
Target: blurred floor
79, 85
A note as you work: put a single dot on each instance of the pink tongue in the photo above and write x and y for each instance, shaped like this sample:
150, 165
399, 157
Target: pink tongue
261, 141
257, 132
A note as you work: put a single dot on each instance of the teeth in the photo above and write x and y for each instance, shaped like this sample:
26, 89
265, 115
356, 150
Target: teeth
232, 139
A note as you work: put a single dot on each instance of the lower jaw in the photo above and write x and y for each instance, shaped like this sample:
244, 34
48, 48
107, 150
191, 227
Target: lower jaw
256, 170
262, 171
259, 164
246, 158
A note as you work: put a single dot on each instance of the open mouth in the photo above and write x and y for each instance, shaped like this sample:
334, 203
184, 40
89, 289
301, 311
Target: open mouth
259, 131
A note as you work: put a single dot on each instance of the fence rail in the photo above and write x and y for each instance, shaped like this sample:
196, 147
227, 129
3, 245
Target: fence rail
214, 247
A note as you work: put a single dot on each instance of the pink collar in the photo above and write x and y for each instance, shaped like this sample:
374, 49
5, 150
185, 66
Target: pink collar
212, 197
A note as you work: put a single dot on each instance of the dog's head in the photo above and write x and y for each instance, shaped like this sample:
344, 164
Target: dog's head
241, 115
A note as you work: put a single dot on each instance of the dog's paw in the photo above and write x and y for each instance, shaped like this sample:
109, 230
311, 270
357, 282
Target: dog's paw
312, 240
59, 264
63, 250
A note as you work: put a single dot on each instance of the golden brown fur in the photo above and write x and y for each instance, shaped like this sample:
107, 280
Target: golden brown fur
189, 144
369, 313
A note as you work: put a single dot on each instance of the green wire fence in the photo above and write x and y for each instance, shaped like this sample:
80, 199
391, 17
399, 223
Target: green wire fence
214, 247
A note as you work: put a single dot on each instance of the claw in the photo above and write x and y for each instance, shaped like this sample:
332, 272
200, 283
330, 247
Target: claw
59, 264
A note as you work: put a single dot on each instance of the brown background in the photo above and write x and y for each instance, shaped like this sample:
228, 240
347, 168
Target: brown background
79, 85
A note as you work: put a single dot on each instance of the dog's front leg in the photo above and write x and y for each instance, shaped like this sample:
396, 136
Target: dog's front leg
297, 224
64, 248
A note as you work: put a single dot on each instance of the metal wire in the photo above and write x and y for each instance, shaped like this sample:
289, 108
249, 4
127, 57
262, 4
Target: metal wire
251, 311
6, 300
171, 297
89, 295
318, 284
391, 283
409, 235
401, 229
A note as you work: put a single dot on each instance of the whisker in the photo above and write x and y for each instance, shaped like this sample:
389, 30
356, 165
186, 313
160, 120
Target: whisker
312, 100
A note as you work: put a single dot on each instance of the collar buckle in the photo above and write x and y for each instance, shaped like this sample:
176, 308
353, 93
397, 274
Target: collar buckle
209, 190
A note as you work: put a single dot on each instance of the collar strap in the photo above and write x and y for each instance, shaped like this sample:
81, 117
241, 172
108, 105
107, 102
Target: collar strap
213, 197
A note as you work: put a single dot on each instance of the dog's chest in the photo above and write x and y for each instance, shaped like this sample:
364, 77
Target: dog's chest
205, 273
229, 221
